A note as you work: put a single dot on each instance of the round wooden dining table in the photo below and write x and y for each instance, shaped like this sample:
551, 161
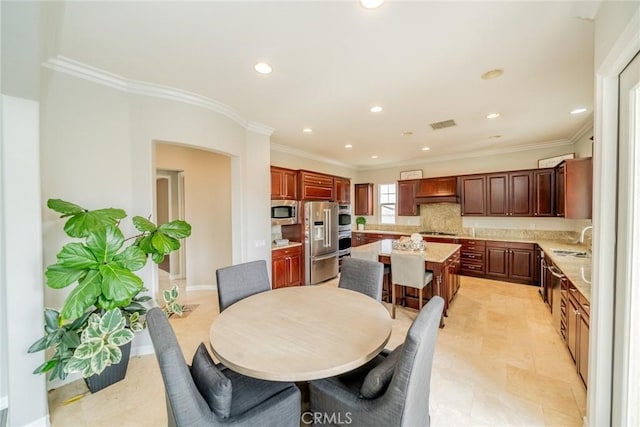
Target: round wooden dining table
300, 333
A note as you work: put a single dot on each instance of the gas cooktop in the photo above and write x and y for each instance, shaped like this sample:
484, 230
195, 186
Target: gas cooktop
437, 233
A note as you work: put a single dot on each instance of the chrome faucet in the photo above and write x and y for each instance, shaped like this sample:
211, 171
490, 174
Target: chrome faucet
584, 230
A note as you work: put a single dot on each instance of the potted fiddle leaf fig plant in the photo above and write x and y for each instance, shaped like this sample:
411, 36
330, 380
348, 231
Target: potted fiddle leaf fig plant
93, 330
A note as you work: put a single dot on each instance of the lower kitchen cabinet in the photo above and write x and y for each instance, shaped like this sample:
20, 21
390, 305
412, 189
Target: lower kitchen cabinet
286, 266
472, 254
511, 261
576, 317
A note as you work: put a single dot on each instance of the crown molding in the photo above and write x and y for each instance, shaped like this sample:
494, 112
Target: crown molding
87, 72
586, 127
304, 154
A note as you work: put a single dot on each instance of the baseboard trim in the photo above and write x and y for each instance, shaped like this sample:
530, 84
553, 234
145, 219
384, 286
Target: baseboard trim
142, 350
4, 402
40, 422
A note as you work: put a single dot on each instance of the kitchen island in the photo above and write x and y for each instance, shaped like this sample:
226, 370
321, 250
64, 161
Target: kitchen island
441, 258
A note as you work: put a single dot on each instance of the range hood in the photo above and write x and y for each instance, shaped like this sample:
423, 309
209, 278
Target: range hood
437, 190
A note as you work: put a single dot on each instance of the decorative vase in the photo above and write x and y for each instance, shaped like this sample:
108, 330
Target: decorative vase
112, 374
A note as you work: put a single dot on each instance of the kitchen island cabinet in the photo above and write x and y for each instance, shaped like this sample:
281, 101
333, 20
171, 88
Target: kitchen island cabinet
286, 266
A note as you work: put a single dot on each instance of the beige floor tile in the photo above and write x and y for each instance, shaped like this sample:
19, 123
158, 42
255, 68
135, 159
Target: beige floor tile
497, 362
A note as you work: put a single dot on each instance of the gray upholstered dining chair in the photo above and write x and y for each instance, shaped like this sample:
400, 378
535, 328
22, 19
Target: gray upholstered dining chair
203, 395
363, 276
240, 281
372, 255
393, 388
408, 270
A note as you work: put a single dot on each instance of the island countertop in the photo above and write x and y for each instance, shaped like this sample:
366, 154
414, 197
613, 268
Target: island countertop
433, 252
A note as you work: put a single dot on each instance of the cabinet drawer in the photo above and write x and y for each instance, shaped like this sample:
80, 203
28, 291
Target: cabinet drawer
477, 268
466, 255
279, 253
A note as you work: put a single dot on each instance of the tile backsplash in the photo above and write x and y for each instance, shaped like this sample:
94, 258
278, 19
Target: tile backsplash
443, 217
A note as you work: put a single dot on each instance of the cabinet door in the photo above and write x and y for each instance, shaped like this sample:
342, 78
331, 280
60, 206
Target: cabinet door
277, 183
293, 266
472, 198
315, 186
407, 198
572, 327
342, 190
583, 353
560, 187
290, 179
497, 262
364, 199
497, 194
437, 187
279, 272
543, 192
522, 264
520, 194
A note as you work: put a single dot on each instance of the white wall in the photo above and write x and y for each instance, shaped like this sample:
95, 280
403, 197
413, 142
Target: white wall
21, 276
207, 195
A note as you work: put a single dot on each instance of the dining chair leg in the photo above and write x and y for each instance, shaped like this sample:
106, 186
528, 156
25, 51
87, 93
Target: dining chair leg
393, 300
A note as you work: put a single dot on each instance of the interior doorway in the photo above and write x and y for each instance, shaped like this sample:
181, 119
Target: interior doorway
169, 207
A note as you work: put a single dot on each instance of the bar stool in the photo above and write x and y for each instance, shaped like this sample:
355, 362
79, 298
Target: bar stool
408, 270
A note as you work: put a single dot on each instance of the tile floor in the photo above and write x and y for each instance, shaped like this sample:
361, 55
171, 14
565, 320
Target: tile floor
498, 362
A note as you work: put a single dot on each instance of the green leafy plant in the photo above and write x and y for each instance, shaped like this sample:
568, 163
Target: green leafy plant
361, 220
102, 268
171, 305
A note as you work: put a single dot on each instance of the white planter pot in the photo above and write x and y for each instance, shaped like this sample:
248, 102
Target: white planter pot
360, 227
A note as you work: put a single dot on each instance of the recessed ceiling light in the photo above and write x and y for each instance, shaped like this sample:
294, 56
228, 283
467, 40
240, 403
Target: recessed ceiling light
374, 157
492, 74
348, 146
307, 130
493, 115
578, 110
375, 109
408, 133
371, 4
263, 68
426, 148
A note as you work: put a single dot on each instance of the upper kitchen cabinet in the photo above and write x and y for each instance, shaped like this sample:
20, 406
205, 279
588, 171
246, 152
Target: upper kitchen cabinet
284, 184
364, 199
407, 205
436, 190
574, 187
342, 190
543, 192
472, 195
510, 194
315, 186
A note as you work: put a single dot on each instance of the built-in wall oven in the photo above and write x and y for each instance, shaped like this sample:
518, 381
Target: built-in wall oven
344, 232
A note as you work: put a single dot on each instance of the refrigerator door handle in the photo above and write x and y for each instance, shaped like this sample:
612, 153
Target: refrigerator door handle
321, 258
328, 229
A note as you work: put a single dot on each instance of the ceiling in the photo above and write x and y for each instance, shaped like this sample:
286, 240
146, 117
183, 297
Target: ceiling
421, 61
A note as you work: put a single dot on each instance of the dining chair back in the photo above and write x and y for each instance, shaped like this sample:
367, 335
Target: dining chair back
363, 276
408, 270
204, 395
397, 384
372, 255
240, 281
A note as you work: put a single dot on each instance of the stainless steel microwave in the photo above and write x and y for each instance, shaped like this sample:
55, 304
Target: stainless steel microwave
284, 212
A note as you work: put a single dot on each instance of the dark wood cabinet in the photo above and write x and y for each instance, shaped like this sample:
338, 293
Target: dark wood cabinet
472, 253
472, 195
543, 192
364, 199
574, 188
286, 266
511, 261
407, 205
315, 186
510, 194
577, 329
438, 187
342, 190
284, 184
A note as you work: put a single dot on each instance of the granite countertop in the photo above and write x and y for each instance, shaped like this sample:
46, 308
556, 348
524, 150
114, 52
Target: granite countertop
290, 245
433, 252
577, 270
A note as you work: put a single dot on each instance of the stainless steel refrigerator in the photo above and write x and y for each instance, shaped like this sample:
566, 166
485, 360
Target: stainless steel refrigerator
321, 241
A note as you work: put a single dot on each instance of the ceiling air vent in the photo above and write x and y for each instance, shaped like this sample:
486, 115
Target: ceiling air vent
442, 125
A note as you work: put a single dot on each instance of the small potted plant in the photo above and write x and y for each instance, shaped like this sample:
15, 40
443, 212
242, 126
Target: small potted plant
360, 222
93, 330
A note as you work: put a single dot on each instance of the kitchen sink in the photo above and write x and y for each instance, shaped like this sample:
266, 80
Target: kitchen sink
570, 252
